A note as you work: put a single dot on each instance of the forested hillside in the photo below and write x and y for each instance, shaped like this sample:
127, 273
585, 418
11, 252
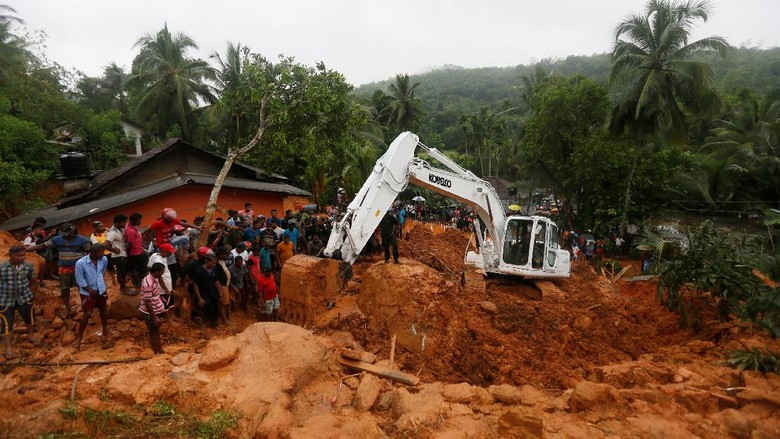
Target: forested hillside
451, 91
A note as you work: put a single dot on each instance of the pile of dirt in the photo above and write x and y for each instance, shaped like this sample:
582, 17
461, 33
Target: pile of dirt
499, 336
7, 241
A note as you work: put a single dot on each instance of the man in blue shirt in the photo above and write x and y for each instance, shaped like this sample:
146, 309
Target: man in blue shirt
70, 247
92, 288
293, 233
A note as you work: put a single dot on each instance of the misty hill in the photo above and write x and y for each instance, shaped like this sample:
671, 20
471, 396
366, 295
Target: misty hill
451, 91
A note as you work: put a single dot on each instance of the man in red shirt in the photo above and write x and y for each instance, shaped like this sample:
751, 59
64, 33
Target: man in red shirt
267, 296
136, 263
162, 229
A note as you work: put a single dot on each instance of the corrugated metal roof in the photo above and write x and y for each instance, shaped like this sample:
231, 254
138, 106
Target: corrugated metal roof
106, 177
56, 216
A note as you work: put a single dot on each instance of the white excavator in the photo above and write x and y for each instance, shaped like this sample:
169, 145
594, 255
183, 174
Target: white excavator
514, 245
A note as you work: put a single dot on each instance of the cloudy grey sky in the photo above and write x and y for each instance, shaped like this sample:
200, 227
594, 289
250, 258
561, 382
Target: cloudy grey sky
367, 40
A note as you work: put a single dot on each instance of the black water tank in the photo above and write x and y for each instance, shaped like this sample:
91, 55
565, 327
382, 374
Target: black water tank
75, 164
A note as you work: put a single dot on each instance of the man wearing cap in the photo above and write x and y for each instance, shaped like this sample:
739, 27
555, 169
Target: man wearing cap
162, 229
71, 247
166, 282
88, 273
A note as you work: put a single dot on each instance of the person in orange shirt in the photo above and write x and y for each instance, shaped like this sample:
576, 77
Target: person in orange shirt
284, 251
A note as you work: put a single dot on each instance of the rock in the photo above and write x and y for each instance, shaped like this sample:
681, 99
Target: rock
488, 307
50, 311
275, 421
336, 426
125, 307
424, 407
506, 393
588, 395
57, 323
367, 392
181, 359
519, 423
461, 392
450, 434
142, 383
68, 338
460, 410
531, 395
352, 382
482, 396
582, 323
384, 402
737, 423
218, 354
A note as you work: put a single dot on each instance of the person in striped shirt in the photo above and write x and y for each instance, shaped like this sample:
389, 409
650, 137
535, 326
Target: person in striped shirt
152, 305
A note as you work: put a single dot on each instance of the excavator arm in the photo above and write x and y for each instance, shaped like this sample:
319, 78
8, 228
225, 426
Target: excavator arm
390, 176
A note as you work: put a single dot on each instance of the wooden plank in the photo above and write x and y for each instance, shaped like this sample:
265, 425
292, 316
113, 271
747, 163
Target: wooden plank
622, 272
384, 372
367, 357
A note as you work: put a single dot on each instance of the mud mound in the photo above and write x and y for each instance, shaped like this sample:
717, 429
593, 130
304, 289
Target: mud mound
499, 336
7, 241
443, 251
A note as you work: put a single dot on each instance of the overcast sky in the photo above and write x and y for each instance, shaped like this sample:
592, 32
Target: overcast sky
367, 40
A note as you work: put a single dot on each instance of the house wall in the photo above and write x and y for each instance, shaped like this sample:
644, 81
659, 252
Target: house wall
189, 201
181, 159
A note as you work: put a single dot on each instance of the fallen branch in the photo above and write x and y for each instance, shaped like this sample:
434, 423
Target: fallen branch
380, 371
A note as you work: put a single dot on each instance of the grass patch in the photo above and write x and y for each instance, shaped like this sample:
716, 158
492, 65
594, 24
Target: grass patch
762, 360
160, 419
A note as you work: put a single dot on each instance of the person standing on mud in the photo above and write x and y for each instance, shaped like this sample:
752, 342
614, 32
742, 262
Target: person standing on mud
92, 288
152, 305
387, 228
16, 278
204, 282
71, 247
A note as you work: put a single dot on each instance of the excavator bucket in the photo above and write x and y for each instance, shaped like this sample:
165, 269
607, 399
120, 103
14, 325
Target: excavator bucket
308, 285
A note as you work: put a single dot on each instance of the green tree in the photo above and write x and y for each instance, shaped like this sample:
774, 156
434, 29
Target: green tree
12, 47
405, 109
569, 113
227, 112
748, 141
170, 83
653, 55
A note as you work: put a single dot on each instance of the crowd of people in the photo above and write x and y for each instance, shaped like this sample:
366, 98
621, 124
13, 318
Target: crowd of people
237, 269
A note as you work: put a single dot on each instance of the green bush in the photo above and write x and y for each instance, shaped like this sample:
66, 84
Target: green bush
722, 264
762, 360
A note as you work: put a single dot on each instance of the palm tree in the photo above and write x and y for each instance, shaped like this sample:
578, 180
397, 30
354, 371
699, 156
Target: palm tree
229, 81
171, 84
405, 109
654, 61
112, 85
652, 55
12, 47
750, 138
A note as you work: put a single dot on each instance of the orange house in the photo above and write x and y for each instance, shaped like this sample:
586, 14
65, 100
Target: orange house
175, 174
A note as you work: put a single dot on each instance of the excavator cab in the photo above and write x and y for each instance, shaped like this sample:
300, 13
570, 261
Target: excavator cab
531, 248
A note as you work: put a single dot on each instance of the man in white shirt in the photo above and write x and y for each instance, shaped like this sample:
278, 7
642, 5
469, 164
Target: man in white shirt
241, 250
116, 244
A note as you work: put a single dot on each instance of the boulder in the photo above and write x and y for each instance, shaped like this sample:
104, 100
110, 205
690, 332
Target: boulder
218, 354
142, 383
57, 323
424, 407
582, 323
506, 393
488, 307
367, 392
531, 395
336, 426
588, 395
519, 423
460, 392
124, 307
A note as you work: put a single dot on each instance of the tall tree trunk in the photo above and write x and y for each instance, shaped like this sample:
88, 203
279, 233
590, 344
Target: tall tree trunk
627, 195
232, 155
